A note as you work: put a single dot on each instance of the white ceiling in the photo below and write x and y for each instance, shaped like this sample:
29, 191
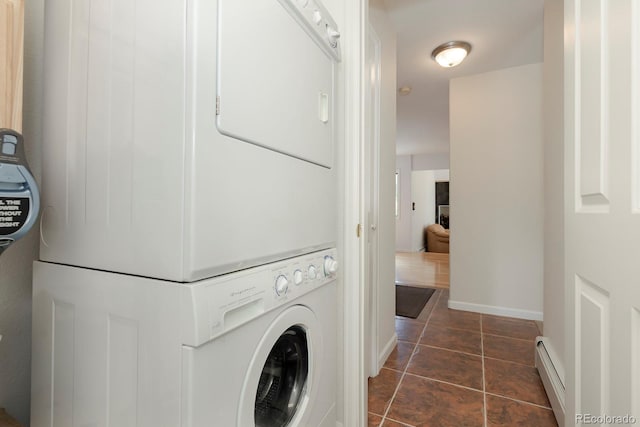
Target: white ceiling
502, 33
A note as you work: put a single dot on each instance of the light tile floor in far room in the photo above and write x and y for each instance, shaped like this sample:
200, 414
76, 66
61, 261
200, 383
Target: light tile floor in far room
460, 369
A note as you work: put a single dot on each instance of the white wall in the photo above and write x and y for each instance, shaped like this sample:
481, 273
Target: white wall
496, 192
423, 202
441, 175
423, 190
15, 263
553, 179
430, 161
387, 166
403, 220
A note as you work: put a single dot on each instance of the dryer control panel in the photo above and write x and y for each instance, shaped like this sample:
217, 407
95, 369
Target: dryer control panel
219, 305
318, 23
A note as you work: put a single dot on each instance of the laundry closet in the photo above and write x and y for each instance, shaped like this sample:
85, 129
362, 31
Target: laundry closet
188, 261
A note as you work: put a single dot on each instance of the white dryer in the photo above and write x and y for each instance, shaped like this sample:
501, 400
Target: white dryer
255, 348
188, 138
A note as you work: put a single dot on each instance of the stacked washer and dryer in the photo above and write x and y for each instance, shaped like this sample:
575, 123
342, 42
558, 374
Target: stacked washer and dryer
188, 262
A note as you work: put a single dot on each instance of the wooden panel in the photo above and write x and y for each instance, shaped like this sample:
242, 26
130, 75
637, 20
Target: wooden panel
592, 333
11, 44
592, 121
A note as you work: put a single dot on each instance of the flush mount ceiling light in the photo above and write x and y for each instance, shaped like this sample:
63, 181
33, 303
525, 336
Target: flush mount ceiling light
451, 54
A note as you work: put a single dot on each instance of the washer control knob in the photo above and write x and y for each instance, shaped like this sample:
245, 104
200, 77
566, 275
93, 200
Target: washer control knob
297, 277
333, 35
317, 17
282, 285
313, 272
330, 266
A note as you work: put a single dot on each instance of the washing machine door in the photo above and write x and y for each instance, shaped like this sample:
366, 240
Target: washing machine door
281, 380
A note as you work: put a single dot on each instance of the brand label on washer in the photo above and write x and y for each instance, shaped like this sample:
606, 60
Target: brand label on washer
13, 214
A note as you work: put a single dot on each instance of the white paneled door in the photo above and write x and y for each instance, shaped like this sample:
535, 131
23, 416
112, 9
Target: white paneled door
602, 166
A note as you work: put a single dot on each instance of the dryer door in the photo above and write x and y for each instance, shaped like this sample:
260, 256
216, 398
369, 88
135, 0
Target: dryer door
276, 80
281, 381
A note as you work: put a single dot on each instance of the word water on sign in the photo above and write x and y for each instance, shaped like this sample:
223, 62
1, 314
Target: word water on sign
13, 214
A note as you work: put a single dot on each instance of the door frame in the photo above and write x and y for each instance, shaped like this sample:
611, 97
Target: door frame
355, 302
372, 194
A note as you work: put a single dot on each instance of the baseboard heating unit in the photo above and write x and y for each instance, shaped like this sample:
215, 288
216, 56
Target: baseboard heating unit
552, 375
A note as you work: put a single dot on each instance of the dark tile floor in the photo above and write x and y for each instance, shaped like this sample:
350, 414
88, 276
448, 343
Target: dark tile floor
459, 369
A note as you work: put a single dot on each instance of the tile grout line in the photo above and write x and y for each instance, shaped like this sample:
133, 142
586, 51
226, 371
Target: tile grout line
452, 351
511, 361
400, 422
404, 372
509, 337
509, 319
484, 382
454, 328
435, 380
520, 401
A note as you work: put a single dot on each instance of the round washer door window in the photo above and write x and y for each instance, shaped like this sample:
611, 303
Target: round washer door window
283, 379
281, 382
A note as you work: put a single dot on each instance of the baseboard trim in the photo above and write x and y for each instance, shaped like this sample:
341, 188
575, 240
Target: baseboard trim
495, 310
552, 375
387, 350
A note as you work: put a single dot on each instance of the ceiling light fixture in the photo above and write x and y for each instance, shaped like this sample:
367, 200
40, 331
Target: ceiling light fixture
451, 54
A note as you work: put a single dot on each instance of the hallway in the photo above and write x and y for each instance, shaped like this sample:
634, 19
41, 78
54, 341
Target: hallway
454, 368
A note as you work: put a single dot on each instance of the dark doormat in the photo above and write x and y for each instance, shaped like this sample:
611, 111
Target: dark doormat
411, 300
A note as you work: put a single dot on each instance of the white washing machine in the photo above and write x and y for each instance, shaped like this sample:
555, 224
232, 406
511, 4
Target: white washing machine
255, 348
277, 370
188, 138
